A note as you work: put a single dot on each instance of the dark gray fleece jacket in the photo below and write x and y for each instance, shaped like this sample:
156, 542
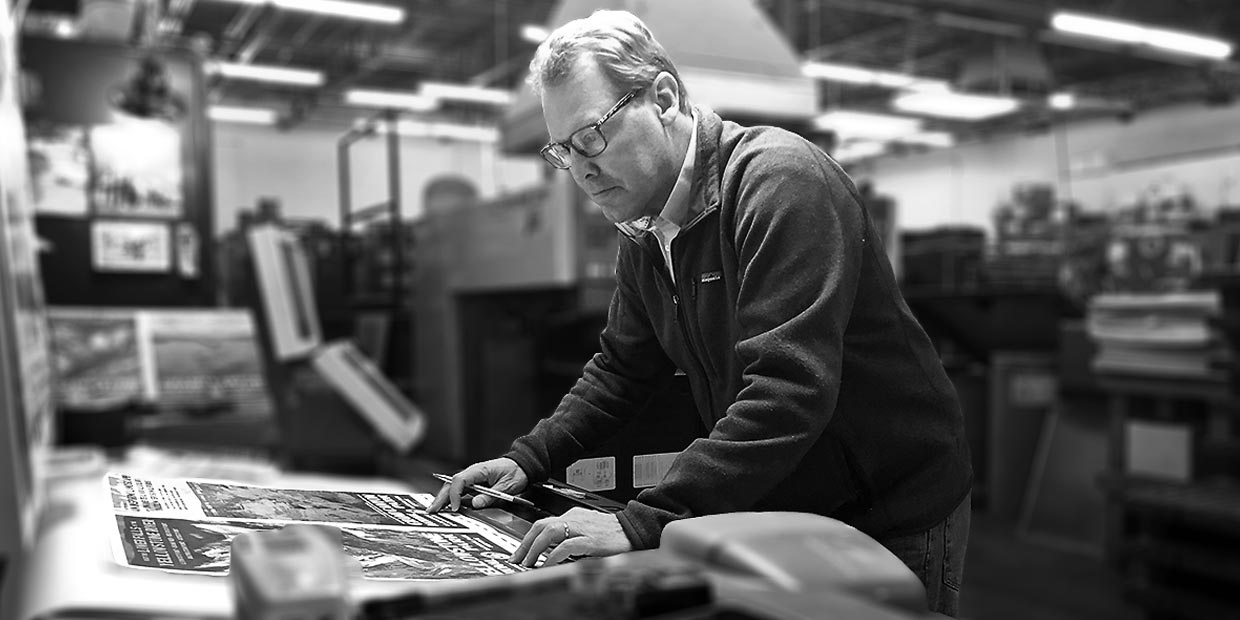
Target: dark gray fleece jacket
820, 390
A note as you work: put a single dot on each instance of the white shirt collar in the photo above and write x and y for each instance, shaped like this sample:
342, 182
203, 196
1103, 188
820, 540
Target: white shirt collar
676, 209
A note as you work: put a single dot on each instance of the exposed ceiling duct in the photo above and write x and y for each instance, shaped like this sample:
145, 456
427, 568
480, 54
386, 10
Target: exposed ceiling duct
731, 57
1010, 67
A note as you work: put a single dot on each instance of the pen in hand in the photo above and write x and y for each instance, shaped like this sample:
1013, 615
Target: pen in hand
491, 492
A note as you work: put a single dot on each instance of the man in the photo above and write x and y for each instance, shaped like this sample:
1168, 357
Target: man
748, 263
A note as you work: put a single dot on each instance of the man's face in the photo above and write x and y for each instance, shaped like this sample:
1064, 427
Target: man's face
633, 176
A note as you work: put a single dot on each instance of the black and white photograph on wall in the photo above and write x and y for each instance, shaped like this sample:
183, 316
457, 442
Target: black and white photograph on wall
59, 169
120, 246
136, 168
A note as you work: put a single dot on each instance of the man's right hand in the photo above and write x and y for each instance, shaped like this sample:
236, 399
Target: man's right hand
501, 474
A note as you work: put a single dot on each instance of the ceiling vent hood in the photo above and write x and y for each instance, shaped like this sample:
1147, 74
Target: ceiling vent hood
731, 58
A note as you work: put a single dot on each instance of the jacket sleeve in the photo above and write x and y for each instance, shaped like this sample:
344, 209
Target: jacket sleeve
616, 382
797, 231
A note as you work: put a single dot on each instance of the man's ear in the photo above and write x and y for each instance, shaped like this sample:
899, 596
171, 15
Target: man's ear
666, 96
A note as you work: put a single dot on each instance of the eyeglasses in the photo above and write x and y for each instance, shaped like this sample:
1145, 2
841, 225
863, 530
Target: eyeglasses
589, 140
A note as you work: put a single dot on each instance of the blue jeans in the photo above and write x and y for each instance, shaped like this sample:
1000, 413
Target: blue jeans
936, 556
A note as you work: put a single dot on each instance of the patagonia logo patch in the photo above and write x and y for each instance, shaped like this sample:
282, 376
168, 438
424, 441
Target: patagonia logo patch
711, 276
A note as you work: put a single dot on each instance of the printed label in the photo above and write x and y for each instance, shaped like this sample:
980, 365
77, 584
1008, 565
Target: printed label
649, 469
711, 276
597, 474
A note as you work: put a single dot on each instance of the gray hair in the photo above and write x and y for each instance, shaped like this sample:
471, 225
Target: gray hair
623, 46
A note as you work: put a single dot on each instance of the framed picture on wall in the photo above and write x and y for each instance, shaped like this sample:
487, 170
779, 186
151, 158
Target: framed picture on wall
136, 168
127, 246
59, 168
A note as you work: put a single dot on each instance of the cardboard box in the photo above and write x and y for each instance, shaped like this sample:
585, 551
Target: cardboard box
1158, 450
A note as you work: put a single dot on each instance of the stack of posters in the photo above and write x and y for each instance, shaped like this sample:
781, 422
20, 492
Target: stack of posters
1155, 334
187, 526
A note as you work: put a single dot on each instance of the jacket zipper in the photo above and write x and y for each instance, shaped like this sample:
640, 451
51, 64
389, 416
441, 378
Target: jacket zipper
690, 343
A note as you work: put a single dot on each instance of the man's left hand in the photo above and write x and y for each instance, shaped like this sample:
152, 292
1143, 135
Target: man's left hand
577, 533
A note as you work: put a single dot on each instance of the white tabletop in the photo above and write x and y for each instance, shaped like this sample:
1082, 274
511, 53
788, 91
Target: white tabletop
71, 565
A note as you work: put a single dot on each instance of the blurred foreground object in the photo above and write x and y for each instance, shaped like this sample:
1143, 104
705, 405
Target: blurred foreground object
295, 573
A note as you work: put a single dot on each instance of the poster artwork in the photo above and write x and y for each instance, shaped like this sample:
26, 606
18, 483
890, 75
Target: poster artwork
124, 246
201, 357
59, 169
183, 525
26, 420
136, 168
96, 357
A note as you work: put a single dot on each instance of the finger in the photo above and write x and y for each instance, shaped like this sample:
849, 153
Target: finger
482, 501
576, 546
536, 543
527, 542
455, 489
441, 498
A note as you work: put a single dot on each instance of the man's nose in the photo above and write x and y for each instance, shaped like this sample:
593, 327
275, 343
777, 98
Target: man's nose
584, 168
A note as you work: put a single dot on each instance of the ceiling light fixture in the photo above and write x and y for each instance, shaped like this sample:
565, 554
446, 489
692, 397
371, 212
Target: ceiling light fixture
444, 131
849, 124
462, 92
233, 114
950, 104
534, 34
339, 8
860, 149
1061, 101
871, 77
939, 139
1135, 34
265, 73
389, 99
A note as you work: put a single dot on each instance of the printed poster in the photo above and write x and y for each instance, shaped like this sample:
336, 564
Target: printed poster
136, 168
59, 169
95, 354
184, 525
26, 418
201, 356
121, 246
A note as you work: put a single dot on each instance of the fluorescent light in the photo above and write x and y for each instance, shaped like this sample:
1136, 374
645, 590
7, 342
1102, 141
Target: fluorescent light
262, 73
955, 105
534, 34
231, 114
460, 92
1136, 34
445, 131
389, 99
871, 77
1188, 43
1062, 101
340, 8
1123, 32
838, 73
861, 149
940, 139
853, 124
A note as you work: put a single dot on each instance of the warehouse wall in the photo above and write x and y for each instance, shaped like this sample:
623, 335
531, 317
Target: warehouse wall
1101, 164
300, 168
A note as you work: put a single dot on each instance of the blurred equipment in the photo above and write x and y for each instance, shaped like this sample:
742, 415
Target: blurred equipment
333, 405
296, 572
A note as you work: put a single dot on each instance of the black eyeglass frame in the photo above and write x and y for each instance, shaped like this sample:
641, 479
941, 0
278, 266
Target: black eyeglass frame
596, 126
